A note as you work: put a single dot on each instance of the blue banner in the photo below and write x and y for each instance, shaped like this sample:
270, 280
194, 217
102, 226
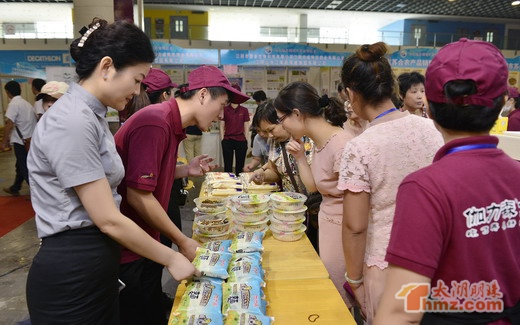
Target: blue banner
412, 58
167, 53
31, 64
513, 64
286, 55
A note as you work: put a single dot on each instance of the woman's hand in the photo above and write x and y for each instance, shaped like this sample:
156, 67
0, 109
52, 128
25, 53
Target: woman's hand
296, 148
200, 165
257, 176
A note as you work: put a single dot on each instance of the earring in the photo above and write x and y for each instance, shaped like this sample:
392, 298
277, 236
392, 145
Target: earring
105, 77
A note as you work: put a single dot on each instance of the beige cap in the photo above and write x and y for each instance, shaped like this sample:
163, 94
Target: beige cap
54, 89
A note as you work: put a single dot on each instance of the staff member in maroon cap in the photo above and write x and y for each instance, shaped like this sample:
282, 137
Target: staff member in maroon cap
456, 234
148, 145
233, 128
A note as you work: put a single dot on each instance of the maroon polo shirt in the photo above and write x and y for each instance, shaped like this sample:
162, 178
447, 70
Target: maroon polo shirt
234, 119
148, 144
513, 123
458, 219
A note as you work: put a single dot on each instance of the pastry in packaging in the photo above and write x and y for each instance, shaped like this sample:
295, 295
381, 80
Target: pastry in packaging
212, 264
245, 242
196, 318
218, 245
243, 297
237, 318
202, 296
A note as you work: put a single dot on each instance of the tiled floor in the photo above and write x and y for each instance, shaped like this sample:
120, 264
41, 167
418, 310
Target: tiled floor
18, 247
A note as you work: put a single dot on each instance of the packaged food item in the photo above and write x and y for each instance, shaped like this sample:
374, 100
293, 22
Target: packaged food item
211, 205
244, 269
212, 264
243, 297
289, 215
210, 224
257, 226
288, 235
250, 202
249, 216
281, 225
218, 245
245, 242
204, 238
202, 296
287, 200
238, 318
196, 318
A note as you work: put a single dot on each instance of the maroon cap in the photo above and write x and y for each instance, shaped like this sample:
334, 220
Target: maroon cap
513, 92
210, 76
157, 80
466, 59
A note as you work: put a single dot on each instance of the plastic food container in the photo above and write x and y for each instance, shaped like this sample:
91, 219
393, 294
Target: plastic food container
212, 224
280, 225
249, 216
204, 238
287, 200
289, 215
211, 205
260, 225
288, 235
250, 202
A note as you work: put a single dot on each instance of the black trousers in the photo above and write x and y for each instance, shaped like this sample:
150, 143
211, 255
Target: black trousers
73, 279
22, 174
235, 148
141, 301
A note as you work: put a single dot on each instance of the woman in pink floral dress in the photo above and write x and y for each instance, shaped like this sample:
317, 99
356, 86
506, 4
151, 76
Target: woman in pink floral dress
372, 167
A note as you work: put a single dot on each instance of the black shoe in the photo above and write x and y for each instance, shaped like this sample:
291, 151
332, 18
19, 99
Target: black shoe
11, 192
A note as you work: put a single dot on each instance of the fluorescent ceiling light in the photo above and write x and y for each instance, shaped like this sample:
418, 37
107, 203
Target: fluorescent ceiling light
400, 5
515, 3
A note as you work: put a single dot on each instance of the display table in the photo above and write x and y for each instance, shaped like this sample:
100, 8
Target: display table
291, 260
298, 289
297, 302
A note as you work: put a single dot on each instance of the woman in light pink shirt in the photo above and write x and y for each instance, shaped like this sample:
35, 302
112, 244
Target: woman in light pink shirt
302, 111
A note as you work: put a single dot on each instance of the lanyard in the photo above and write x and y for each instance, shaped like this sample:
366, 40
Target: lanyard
471, 147
386, 112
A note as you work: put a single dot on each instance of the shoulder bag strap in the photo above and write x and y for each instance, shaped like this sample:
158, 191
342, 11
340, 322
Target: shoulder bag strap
19, 133
288, 168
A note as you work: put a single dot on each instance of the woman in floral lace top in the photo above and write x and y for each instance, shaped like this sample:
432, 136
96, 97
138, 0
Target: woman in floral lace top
373, 165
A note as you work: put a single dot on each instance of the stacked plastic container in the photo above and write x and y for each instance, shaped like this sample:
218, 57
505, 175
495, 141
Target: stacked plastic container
288, 215
211, 222
250, 212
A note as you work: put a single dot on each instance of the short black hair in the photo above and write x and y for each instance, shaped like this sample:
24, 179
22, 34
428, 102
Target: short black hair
407, 80
13, 88
259, 96
468, 118
38, 84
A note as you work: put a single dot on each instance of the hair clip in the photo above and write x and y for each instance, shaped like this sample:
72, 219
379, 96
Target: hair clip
87, 34
183, 88
324, 101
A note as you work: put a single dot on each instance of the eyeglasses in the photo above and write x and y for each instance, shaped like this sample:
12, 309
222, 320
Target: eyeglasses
281, 118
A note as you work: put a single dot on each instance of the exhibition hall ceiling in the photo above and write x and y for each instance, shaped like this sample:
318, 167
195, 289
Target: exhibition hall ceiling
469, 8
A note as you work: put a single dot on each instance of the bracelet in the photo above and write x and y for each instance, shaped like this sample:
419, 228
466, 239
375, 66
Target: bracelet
349, 280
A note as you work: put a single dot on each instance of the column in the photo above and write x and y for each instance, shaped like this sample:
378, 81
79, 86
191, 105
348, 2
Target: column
86, 10
303, 28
